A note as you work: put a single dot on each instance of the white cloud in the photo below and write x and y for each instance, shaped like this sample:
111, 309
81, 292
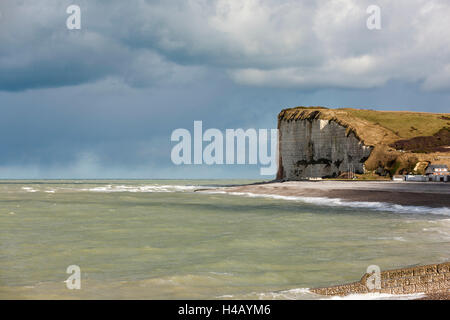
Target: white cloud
276, 43
309, 44
352, 72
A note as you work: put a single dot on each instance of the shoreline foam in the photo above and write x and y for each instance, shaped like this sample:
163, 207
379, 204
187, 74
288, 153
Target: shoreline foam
338, 202
418, 197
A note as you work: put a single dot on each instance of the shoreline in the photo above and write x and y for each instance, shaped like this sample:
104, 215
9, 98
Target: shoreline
406, 280
433, 195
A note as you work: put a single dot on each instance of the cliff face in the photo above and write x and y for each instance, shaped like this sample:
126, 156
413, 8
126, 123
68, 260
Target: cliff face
318, 148
320, 142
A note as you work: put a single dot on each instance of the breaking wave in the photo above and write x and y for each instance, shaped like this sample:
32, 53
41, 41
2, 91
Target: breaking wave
305, 293
28, 189
121, 188
321, 201
143, 188
378, 296
337, 202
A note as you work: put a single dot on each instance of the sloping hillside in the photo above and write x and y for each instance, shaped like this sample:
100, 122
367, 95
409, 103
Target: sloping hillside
403, 141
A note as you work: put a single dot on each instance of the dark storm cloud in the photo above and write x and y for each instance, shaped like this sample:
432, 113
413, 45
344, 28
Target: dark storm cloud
269, 43
38, 51
101, 102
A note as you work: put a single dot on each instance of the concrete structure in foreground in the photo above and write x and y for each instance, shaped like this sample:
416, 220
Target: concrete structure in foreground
429, 279
316, 148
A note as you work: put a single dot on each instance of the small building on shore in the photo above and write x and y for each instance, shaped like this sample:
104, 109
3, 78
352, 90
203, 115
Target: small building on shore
438, 173
398, 178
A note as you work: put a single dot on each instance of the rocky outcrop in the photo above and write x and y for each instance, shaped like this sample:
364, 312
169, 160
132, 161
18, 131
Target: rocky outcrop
318, 148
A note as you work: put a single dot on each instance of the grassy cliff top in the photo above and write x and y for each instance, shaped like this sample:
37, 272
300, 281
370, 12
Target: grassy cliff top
375, 127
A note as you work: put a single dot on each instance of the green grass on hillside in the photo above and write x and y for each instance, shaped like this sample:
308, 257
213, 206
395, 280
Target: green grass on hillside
404, 124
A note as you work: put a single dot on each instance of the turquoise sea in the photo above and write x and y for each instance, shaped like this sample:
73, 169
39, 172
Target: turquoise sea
136, 239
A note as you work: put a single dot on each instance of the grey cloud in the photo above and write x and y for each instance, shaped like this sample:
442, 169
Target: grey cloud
38, 51
110, 130
106, 99
288, 43
301, 44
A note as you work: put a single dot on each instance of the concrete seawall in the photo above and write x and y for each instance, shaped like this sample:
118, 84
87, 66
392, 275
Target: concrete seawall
429, 279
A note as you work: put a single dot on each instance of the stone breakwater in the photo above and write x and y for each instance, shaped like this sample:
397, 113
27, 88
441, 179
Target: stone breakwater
431, 279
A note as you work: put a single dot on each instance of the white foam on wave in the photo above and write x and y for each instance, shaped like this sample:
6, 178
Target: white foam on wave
378, 296
291, 294
337, 202
442, 229
142, 188
29, 189
387, 238
124, 188
305, 293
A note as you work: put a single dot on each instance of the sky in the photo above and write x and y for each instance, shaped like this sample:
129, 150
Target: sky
102, 101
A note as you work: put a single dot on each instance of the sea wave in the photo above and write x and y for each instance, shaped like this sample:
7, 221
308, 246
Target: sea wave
120, 188
291, 294
142, 188
337, 202
305, 293
378, 296
29, 189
